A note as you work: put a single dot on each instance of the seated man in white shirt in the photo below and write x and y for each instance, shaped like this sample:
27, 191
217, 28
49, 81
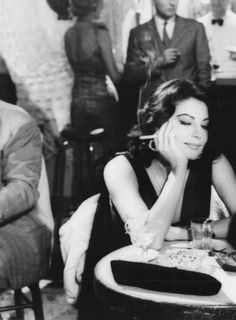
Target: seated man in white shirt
220, 26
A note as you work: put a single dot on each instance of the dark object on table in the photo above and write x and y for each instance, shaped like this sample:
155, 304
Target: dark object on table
232, 232
226, 261
159, 278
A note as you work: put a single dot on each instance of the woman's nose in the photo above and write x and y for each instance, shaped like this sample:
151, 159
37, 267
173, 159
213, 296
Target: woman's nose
197, 132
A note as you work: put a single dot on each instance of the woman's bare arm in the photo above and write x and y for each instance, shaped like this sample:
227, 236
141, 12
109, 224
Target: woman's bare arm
105, 45
122, 184
224, 181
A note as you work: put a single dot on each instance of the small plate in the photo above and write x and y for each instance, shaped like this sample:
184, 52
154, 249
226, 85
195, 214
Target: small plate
139, 255
217, 244
193, 246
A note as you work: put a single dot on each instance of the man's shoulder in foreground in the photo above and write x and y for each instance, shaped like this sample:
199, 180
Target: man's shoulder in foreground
13, 113
16, 122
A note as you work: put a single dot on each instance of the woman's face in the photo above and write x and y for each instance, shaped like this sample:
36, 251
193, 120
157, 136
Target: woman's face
190, 122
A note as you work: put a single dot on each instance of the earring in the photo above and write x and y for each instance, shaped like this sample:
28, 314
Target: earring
152, 146
200, 155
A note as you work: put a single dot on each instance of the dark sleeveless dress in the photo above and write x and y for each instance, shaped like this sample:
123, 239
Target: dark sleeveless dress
108, 231
93, 105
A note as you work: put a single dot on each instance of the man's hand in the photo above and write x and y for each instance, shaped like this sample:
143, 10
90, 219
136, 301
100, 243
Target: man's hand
169, 56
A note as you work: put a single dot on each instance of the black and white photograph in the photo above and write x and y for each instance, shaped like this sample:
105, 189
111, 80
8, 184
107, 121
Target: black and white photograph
117, 159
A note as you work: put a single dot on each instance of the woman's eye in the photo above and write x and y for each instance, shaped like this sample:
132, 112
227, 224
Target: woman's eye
185, 123
205, 126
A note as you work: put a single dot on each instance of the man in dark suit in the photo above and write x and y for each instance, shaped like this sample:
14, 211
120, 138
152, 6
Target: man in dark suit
167, 47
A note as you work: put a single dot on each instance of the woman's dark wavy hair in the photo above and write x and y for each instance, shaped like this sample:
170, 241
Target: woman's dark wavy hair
158, 109
82, 8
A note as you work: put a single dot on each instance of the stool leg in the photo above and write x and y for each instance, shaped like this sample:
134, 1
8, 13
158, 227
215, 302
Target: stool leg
37, 301
18, 301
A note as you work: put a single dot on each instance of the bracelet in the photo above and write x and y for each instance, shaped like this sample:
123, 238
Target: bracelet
209, 228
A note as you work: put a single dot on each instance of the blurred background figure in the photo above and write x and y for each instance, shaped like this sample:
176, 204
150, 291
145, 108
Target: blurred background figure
89, 51
94, 104
31, 44
166, 47
220, 26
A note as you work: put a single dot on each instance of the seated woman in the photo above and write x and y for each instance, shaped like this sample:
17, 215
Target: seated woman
168, 179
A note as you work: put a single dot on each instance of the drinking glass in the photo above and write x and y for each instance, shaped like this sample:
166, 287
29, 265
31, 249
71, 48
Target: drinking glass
201, 234
140, 234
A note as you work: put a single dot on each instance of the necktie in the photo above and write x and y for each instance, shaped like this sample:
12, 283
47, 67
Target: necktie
219, 21
166, 39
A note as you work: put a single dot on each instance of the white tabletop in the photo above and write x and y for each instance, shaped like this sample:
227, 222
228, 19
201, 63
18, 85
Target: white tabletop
226, 295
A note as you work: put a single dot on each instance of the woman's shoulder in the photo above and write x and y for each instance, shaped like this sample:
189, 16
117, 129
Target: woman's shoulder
118, 165
221, 158
119, 173
222, 164
119, 168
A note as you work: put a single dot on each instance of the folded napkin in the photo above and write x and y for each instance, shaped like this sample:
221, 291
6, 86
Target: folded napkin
159, 278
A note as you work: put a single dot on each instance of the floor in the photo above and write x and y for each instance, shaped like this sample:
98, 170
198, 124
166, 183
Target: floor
55, 305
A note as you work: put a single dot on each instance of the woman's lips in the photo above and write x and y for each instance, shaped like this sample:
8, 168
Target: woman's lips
193, 146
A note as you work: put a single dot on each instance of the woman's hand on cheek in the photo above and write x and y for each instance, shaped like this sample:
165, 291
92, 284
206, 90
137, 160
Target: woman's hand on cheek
169, 149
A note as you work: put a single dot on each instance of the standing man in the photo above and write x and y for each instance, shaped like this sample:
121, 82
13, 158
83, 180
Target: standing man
167, 47
220, 26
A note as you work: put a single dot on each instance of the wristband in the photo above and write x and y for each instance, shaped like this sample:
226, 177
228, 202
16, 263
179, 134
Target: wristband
189, 233
209, 228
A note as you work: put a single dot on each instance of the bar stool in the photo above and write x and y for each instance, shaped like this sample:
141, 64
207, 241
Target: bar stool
21, 302
78, 171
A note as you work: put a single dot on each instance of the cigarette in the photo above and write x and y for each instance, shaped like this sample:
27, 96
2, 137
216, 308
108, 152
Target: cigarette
148, 137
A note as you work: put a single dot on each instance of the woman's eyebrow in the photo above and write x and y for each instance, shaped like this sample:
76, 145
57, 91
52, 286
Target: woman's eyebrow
185, 114
188, 115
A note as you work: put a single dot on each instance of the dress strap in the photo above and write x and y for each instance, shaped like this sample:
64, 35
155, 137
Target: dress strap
146, 188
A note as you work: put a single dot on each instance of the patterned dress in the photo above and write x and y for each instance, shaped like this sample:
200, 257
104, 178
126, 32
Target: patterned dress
93, 104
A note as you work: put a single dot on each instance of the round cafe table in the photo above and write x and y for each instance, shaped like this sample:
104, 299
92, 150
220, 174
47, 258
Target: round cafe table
136, 303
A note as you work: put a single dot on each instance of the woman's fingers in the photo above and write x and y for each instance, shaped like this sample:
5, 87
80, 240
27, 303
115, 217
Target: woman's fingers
165, 135
160, 137
168, 146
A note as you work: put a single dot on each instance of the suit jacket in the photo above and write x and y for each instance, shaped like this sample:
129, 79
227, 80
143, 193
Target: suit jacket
189, 38
23, 181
